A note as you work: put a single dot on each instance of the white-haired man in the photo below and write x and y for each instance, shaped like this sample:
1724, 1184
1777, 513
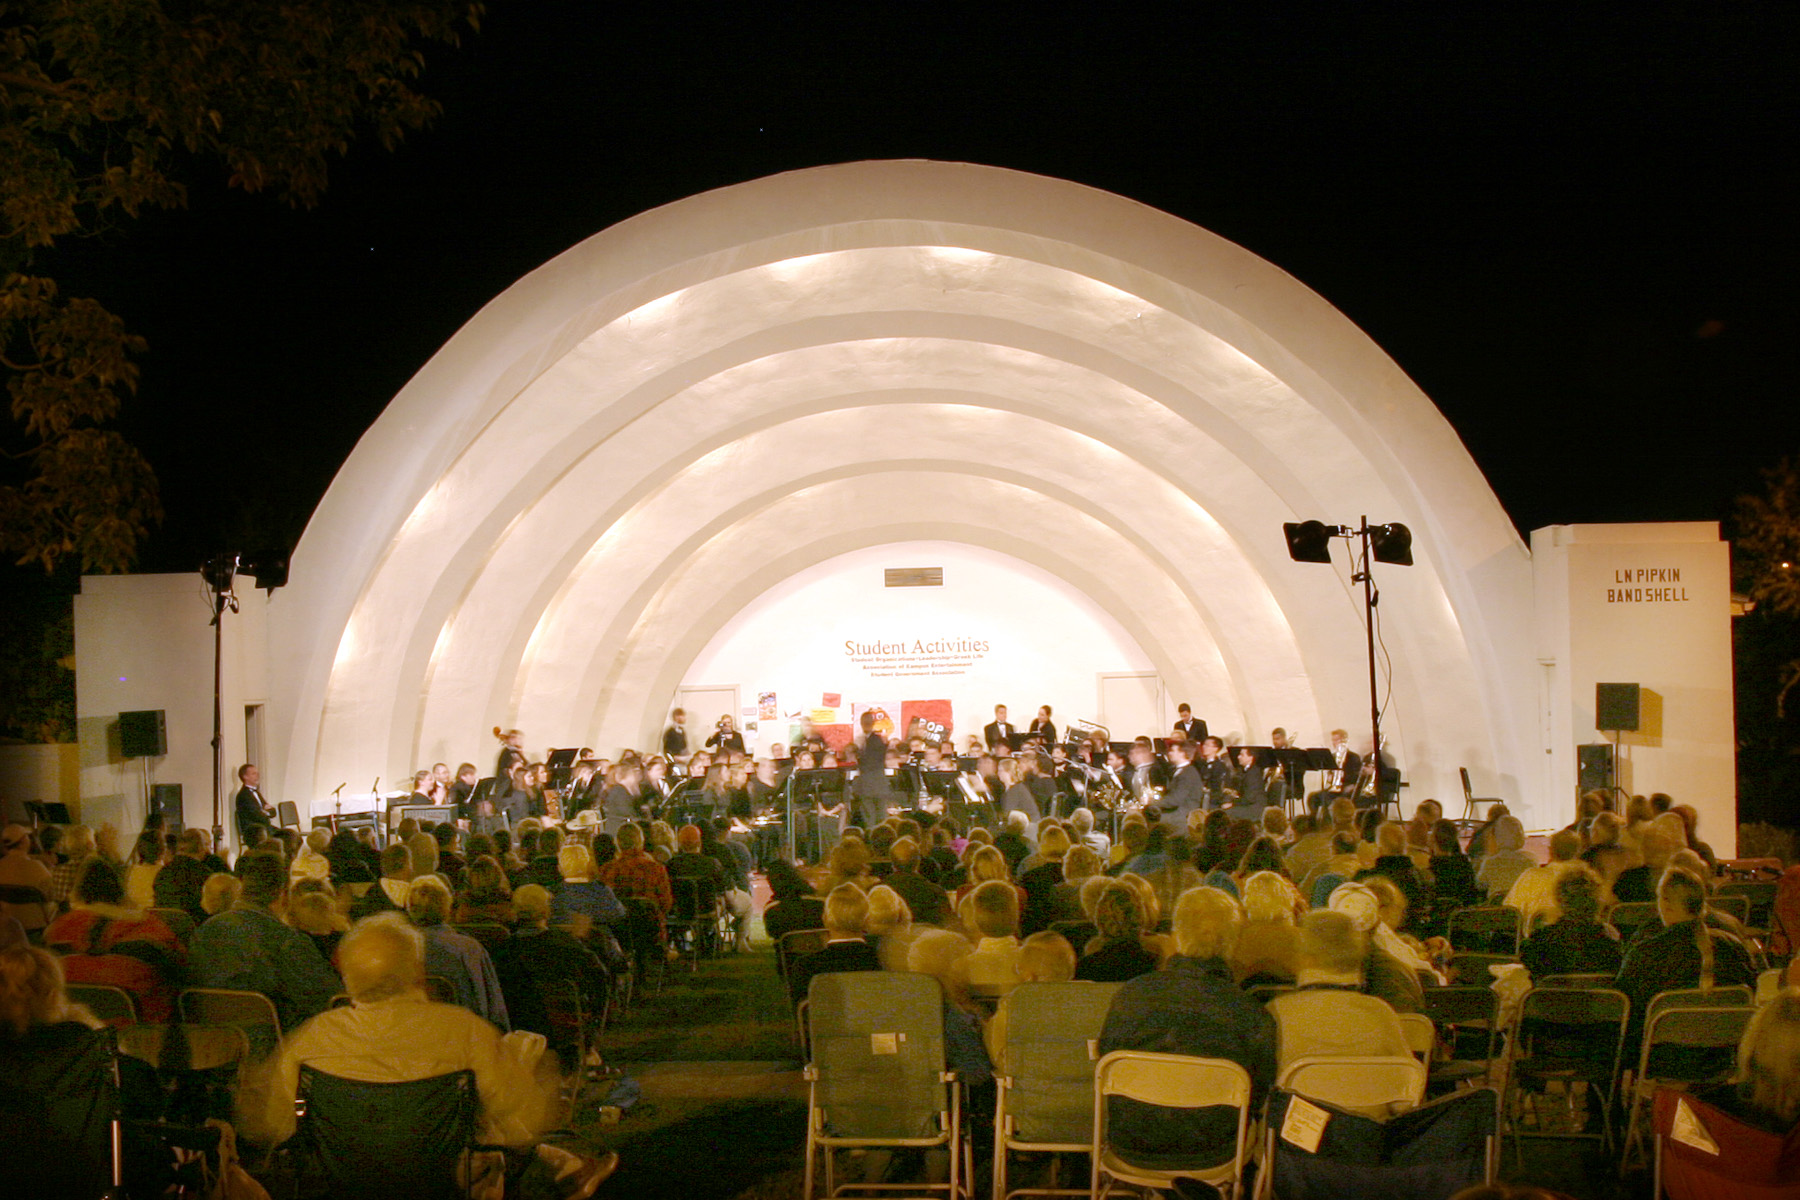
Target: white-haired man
1194, 1007
391, 1033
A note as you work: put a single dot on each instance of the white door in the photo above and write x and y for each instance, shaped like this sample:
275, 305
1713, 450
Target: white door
704, 706
1131, 705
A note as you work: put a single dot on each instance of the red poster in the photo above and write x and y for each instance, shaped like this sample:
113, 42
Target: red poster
933, 716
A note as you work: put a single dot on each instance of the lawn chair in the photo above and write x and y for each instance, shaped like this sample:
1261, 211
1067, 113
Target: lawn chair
252, 1012
1488, 929
877, 1078
1168, 1081
1045, 1099
377, 1141
1567, 1035
59, 1106
1429, 1153
113, 1005
1703, 1153
1709, 1036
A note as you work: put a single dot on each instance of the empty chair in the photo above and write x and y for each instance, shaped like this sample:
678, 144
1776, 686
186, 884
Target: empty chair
1168, 1081
1470, 1020
1429, 1153
1471, 802
1487, 929
1045, 1076
113, 1005
876, 1074
1569, 1036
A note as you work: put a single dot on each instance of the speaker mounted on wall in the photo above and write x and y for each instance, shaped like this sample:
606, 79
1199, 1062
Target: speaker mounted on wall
1616, 707
142, 734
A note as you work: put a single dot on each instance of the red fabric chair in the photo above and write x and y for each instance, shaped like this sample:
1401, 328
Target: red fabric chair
1750, 1164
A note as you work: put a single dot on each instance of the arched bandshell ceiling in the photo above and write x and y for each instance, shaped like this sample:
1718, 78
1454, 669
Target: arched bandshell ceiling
619, 453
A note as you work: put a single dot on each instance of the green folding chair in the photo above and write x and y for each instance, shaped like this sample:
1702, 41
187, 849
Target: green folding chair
1713, 1027
1045, 1102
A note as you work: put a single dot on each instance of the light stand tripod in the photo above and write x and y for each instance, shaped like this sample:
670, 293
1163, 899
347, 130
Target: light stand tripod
219, 574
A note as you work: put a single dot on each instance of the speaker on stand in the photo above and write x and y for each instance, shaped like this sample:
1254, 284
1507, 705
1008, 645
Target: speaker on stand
1616, 711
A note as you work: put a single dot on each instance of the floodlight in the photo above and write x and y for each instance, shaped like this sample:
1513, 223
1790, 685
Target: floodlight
270, 572
1309, 541
218, 571
1391, 544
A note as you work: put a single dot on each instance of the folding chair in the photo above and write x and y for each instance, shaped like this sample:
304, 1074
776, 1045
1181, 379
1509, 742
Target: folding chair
198, 1071
1471, 802
1468, 969
375, 1141
1714, 1032
876, 1077
695, 917
1045, 1098
796, 943
113, 1005
287, 815
1629, 918
1168, 1081
644, 932
1374, 1085
1262, 993
1421, 1035
1758, 894
252, 1012
1584, 979
1737, 906
1429, 1153
491, 934
1570, 1035
179, 920
1470, 1018
1488, 929
1703, 1153
59, 1106
21, 895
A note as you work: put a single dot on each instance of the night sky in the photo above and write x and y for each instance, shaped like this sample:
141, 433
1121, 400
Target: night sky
1577, 235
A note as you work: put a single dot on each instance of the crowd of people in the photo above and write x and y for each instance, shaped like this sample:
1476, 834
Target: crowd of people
1191, 906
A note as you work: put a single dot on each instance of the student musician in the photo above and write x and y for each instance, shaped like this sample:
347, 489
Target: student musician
1341, 779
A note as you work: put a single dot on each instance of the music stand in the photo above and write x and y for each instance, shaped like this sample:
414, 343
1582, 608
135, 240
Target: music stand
561, 765
49, 812
813, 782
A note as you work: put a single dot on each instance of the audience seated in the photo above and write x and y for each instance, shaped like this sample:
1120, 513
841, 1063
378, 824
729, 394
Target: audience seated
1765, 1090
455, 956
147, 858
102, 940
1329, 1014
249, 948
1533, 893
1452, 877
1684, 953
940, 954
310, 862
219, 893
1014, 841
846, 918
793, 904
1043, 958
72, 853
890, 927
993, 918
1312, 844
1121, 950
635, 874
1502, 866
1395, 864
1134, 839
1082, 822
19, 869
1578, 942
548, 958
390, 891
451, 864
1390, 969
689, 863
390, 1033
1267, 946
583, 901
313, 910
1638, 884
486, 895
1192, 1007
734, 860
928, 903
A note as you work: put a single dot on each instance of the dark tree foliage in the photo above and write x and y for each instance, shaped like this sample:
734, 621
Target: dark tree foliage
104, 106
1766, 570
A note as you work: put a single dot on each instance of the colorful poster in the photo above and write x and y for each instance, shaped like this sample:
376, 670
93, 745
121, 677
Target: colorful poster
929, 719
832, 700
765, 704
824, 716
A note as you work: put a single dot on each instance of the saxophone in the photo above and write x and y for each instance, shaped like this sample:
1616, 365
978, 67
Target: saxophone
1106, 794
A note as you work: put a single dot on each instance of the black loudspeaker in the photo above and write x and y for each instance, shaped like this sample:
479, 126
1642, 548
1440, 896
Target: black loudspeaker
1616, 706
1594, 766
141, 734
165, 798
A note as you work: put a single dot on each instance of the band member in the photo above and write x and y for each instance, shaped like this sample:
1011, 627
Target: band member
1341, 779
1292, 774
1071, 779
675, 738
1215, 772
462, 788
999, 731
1034, 792
1187, 788
512, 752
1192, 728
252, 809
1256, 785
1043, 727
1146, 772
424, 789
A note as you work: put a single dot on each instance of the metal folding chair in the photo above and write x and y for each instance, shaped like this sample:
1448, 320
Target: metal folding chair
252, 1012
1045, 1094
1471, 802
1168, 1081
1465, 1014
1582, 979
1629, 918
114, 1005
1468, 969
1714, 1031
1571, 1035
1421, 1035
1487, 929
1376, 1085
877, 1077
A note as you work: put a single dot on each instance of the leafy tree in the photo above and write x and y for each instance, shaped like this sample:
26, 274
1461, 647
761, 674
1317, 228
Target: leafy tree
104, 105
1766, 557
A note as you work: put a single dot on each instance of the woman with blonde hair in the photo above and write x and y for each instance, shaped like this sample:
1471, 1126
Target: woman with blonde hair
890, 927
1268, 945
1685, 953
1766, 1090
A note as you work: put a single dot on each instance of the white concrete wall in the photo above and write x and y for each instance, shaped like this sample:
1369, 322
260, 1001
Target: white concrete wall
40, 773
1651, 605
146, 642
1033, 640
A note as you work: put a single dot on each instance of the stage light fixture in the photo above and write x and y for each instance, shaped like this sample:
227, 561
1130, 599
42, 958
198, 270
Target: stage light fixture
1391, 544
218, 571
1309, 541
270, 572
